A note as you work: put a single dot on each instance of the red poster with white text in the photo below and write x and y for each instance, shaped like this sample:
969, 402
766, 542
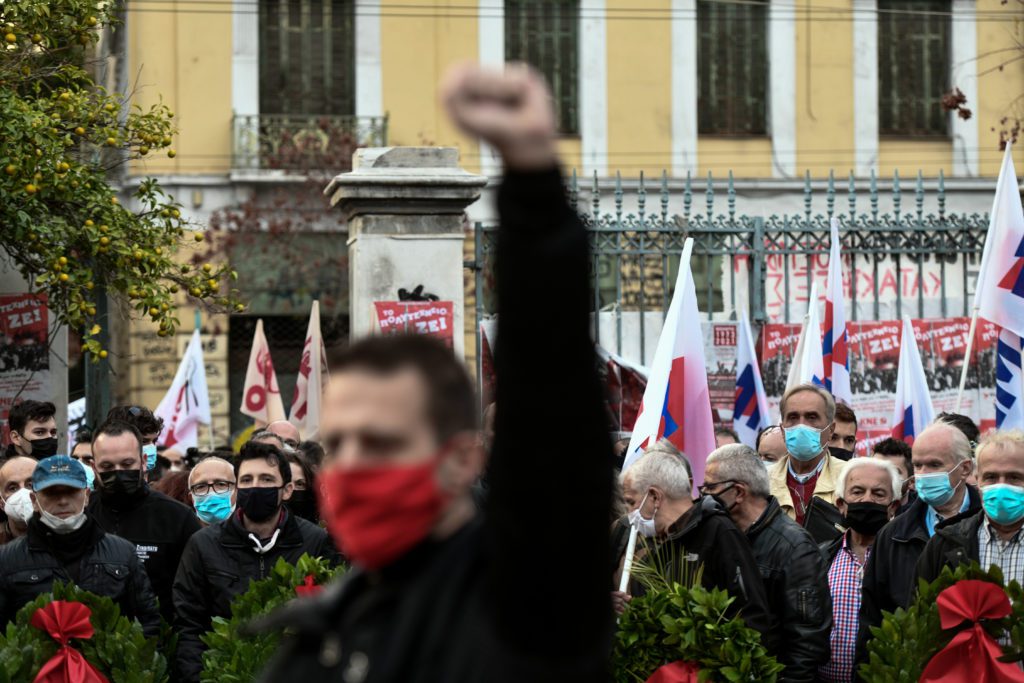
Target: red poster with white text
433, 318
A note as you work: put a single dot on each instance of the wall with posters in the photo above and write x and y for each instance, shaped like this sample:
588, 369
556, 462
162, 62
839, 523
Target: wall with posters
27, 369
874, 355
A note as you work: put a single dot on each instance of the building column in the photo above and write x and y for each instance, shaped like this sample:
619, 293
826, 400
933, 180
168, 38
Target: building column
782, 87
404, 209
593, 75
245, 83
369, 82
684, 87
491, 47
964, 59
865, 86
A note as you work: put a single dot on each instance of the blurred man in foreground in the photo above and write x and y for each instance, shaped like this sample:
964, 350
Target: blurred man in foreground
438, 591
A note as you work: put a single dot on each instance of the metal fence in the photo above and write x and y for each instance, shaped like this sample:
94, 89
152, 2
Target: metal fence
898, 261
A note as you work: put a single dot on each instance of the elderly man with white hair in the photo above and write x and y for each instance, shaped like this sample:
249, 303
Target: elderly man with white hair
991, 536
941, 456
867, 495
791, 565
685, 535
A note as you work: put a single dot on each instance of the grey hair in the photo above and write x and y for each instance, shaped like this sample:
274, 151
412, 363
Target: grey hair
859, 463
830, 403
741, 463
959, 445
1007, 440
667, 471
665, 446
210, 458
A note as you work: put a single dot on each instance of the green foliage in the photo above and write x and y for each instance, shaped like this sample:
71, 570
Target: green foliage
232, 657
902, 646
60, 220
118, 647
689, 624
675, 621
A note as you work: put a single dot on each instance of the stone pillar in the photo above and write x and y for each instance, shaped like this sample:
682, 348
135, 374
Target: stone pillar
404, 207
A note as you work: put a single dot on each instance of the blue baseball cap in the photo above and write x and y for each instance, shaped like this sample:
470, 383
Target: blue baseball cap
59, 470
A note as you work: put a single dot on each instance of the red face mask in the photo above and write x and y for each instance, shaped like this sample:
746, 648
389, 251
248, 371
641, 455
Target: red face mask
376, 514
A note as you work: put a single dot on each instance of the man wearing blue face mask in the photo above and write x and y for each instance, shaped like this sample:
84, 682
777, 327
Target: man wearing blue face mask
211, 485
991, 536
941, 456
808, 470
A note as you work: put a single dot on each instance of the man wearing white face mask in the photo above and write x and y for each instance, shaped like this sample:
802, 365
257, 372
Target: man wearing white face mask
687, 535
808, 471
16, 478
64, 544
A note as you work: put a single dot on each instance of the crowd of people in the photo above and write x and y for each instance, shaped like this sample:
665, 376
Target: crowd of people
491, 553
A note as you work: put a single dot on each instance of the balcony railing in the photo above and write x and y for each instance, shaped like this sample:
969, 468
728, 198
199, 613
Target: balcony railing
304, 143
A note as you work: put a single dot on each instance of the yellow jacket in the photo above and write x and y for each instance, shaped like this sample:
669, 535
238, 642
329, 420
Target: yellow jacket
824, 488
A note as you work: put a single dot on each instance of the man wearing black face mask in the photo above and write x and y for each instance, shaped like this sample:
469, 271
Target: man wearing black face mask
303, 502
223, 558
791, 565
868, 494
159, 526
33, 430
844, 437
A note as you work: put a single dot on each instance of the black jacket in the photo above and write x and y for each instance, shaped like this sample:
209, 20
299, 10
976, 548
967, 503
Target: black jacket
705, 537
955, 542
796, 582
159, 527
511, 596
218, 564
109, 568
890, 575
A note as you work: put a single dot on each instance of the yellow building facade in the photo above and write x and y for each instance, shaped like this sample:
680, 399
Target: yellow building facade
767, 90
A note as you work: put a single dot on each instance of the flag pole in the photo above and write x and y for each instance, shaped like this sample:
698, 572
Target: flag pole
967, 360
627, 564
199, 326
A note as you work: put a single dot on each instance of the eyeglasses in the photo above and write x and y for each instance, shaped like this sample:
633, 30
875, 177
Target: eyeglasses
704, 489
217, 487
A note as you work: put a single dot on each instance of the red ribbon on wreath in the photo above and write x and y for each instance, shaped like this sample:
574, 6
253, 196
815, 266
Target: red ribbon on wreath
64, 621
973, 654
308, 587
676, 672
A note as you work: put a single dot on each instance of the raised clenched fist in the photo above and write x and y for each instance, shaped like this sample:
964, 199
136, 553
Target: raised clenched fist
511, 109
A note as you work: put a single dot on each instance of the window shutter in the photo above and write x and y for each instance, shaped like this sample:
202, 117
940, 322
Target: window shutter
732, 67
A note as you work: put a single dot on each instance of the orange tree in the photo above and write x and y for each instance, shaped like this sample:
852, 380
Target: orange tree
60, 221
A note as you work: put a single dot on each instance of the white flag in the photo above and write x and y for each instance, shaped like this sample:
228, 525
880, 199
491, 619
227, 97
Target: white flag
999, 293
187, 403
261, 397
305, 413
808, 366
750, 409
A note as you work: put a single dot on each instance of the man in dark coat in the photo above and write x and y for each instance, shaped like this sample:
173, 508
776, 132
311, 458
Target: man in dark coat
65, 544
686, 536
791, 565
992, 535
159, 526
438, 591
221, 560
890, 575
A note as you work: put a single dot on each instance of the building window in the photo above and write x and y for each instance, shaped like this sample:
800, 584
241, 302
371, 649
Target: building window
732, 68
307, 57
545, 33
913, 66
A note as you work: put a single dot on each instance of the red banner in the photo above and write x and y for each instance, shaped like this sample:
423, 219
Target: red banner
24, 355
433, 318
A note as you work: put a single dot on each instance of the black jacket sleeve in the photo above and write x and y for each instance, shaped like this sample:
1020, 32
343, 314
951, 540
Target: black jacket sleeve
147, 610
191, 613
807, 621
550, 431
735, 569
